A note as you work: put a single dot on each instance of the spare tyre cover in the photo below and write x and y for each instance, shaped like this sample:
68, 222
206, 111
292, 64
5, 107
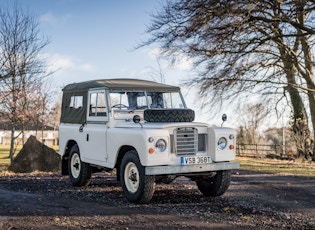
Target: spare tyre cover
169, 115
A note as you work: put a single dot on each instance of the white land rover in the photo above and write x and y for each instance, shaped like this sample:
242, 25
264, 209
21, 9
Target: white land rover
144, 131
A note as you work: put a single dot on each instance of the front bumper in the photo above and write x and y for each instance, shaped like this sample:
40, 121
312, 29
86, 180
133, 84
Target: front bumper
187, 169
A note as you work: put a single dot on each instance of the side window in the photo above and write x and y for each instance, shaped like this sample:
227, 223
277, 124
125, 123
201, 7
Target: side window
97, 105
76, 102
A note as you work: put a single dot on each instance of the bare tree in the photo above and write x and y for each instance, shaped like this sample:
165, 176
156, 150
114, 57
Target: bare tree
242, 47
22, 68
251, 119
157, 74
54, 115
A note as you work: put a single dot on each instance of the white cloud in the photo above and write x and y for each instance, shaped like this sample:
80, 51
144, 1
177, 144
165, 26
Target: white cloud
68, 69
64, 63
154, 53
182, 62
87, 67
57, 61
54, 20
60, 61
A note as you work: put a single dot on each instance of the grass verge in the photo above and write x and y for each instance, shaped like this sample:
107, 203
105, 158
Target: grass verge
4, 155
281, 167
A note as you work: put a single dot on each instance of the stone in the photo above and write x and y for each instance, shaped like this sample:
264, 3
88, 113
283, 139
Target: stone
35, 156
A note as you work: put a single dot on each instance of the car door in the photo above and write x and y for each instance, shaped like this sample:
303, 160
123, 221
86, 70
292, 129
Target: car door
95, 129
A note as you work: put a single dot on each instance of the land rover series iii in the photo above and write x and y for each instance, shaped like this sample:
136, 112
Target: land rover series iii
144, 131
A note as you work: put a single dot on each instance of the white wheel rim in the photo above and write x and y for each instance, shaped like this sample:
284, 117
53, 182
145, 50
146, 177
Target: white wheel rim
75, 165
131, 177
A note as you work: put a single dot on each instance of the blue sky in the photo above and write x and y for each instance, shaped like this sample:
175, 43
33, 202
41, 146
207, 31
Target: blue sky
96, 39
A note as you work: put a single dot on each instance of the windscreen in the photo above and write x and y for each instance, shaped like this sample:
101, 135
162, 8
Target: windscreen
146, 100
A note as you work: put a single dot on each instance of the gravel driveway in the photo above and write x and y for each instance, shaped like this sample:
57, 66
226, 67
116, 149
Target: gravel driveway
254, 201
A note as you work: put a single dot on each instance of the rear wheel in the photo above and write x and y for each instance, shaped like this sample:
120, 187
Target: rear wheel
216, 185
80, 172
137, 186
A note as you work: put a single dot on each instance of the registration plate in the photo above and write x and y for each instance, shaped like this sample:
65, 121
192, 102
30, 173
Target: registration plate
194, 160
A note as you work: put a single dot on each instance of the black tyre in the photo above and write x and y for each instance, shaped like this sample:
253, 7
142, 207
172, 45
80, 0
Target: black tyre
215, 186
80, 172
169, 115
137, 187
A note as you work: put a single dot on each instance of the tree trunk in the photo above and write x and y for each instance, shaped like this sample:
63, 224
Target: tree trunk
300, 123
291, 68
308, 75
311, 96
300, 119
12, 145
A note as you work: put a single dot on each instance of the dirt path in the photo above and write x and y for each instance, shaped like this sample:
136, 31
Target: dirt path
253, 201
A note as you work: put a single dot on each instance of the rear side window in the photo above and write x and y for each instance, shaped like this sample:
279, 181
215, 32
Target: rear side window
76, 102
73, 107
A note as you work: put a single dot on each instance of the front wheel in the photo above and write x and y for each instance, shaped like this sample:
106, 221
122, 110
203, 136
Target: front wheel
80, 172
216, 185
137, 186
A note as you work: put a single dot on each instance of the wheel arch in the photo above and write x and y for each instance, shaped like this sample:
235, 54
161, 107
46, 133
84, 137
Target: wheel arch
122, 151
65, 156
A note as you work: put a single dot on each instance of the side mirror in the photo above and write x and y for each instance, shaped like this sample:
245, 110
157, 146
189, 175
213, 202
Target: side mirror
136, 119
82, 127
224, 118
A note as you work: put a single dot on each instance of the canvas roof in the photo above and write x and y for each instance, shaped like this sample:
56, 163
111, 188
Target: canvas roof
122, 84
78, 115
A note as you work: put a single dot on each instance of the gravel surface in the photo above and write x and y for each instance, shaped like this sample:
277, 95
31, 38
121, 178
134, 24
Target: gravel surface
254, 201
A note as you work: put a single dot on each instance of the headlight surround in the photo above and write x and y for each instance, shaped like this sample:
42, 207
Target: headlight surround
160, 145
222, 143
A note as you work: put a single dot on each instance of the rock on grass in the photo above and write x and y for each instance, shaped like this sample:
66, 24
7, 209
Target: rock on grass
35, 156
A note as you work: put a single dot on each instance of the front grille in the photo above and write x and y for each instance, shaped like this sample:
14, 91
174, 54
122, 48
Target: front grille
185, 141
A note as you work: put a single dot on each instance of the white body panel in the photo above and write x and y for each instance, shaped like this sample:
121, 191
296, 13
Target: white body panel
105, 141
216, 153
93, 145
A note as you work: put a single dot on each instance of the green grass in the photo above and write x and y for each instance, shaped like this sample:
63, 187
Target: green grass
5, 151
282, 167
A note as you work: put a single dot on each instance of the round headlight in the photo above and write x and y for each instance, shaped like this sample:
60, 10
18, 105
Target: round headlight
160, 145
222, 143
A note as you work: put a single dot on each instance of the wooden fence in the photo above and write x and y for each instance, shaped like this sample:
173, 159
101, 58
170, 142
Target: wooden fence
258, 150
